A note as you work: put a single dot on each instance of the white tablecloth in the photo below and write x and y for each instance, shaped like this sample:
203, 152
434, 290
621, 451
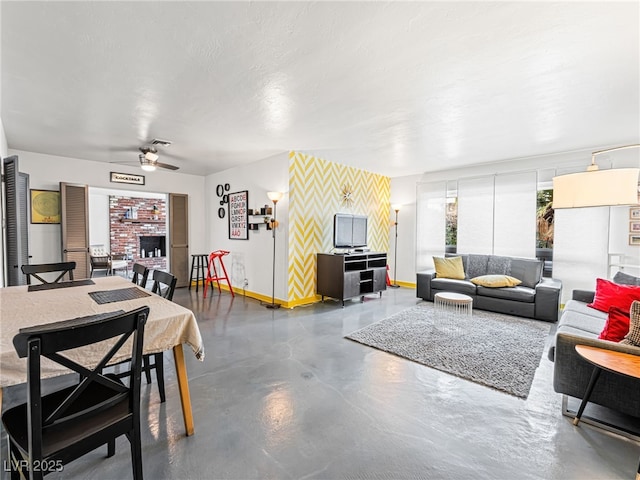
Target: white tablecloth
169, 324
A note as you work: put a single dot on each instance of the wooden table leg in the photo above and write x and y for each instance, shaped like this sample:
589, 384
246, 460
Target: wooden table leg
183, 385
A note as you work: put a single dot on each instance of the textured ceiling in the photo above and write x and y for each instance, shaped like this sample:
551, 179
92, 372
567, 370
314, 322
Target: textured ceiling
393, 88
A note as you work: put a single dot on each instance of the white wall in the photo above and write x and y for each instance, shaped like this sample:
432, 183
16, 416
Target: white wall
619, 240
252, 259
403, 190
3, 153
46, 171
403, 193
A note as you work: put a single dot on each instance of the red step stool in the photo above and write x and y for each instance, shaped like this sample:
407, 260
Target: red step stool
211, 266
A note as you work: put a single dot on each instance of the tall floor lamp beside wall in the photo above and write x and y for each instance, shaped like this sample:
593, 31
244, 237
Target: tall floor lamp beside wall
274, 197
396, 209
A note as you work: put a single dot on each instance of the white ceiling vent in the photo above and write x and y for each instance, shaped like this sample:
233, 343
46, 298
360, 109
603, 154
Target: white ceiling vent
162, 143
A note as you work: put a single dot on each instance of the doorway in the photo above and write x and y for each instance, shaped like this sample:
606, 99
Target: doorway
132, 225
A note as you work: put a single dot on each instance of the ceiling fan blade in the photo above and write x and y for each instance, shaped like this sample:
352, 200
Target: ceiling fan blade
133, 162
166, 165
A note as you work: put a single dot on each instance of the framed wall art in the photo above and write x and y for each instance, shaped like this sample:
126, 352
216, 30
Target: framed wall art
45, 206
238, 215
634, 213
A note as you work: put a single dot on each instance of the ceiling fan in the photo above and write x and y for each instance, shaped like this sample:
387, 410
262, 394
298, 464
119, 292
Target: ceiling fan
148, 155
149, 159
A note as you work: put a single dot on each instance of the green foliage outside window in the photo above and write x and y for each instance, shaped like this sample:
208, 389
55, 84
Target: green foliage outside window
544, 219
452, 223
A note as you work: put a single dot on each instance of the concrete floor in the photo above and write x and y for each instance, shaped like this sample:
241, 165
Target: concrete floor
282, 395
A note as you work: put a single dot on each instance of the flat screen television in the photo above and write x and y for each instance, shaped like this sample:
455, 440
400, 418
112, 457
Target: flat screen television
349, 231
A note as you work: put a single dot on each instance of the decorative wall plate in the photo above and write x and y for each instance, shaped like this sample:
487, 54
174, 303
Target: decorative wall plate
347, 195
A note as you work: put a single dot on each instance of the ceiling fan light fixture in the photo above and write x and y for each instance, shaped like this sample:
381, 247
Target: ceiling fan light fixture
146, 164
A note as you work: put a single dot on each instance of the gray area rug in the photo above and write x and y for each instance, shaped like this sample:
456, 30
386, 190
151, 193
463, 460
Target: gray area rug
496, 350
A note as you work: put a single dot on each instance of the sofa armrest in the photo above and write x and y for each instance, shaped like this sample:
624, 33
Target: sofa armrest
423, 284
547, 302
585, 296
571, 374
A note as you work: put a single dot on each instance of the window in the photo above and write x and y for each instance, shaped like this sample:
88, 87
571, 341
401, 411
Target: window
544, 219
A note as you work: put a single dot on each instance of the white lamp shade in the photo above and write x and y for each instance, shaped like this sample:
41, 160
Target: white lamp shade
274, 196
148, 167
597, 188
396, 207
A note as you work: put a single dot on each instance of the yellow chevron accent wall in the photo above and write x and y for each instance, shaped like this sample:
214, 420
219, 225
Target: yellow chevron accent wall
315, 195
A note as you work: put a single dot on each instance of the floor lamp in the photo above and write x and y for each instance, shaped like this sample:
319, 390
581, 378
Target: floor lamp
274, 197
396, 208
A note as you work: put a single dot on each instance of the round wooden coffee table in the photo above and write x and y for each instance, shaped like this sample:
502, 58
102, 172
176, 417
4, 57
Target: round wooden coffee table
615, 362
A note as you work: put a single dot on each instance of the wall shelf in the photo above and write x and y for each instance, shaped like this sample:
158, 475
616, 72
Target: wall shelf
138, 220
256, 220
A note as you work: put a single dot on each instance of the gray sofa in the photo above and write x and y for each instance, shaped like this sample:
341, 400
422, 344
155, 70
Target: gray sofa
581, 325
536, 297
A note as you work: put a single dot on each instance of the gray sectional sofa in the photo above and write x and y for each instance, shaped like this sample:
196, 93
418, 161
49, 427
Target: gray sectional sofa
581, 325
536, 297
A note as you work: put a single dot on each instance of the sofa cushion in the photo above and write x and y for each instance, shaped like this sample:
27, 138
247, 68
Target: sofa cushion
582, 309
616, 326
457, 286
527, 270
609, 294
477, 265
498, 265
450, 267
626, 279
518, 294
585, 323
496, 281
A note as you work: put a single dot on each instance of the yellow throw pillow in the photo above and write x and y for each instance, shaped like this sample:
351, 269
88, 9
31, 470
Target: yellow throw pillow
495, 281
450, 267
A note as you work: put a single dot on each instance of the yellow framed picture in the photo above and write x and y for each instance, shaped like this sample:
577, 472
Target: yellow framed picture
45, 206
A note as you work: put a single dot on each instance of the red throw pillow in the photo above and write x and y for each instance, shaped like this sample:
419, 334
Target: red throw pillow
609, 294
616, 326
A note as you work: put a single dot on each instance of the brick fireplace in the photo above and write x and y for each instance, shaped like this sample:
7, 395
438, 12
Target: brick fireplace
137, 225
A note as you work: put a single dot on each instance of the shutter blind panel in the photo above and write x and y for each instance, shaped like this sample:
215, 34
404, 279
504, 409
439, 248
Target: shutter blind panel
431, 223
23, 223
75, 228
475, 215
514, 232
179, 237
580, 246
17, 226
75, 209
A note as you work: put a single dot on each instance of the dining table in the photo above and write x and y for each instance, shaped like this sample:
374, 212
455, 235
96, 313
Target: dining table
168, 326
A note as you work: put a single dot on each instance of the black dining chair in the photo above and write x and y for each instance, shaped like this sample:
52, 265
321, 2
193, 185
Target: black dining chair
140, 274
62, 267
49, 431
164, 284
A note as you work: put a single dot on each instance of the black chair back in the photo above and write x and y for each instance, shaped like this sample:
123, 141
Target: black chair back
164, 284
140, 274
62, 267
71, 422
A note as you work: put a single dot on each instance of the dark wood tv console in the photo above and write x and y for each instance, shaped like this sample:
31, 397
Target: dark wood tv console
347, 276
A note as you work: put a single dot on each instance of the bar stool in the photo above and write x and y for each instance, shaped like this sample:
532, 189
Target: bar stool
217, 255
199, 263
